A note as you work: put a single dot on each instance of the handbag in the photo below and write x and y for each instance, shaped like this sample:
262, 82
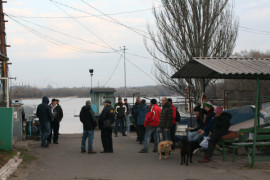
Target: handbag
204, 143
230, 135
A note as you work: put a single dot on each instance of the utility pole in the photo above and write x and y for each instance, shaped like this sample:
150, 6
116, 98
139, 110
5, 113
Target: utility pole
125, 73
3, 56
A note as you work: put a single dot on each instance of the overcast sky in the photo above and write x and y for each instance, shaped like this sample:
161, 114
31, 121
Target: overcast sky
63, 54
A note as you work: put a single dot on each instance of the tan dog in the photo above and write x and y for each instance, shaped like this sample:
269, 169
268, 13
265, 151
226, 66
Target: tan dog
164, 146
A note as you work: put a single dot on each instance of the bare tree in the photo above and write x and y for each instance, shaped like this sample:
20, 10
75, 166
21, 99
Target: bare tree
186, 29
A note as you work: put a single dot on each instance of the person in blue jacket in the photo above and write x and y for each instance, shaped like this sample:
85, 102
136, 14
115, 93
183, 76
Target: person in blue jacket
141, 113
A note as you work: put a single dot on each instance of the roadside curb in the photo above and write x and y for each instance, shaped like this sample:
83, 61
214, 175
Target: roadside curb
10, 166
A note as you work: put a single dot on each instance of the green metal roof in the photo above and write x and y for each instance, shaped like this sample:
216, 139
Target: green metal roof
225, 68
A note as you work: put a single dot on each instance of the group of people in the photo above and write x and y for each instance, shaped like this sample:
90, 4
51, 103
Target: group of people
105, 123
150, 120
211, 122
50, 116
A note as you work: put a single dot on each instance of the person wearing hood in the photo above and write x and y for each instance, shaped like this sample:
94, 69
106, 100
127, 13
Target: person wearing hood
166, 119
151, 123
141, 112
87, 117
220, 128
44, 113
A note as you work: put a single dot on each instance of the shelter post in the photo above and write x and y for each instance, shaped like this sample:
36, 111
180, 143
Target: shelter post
256, 121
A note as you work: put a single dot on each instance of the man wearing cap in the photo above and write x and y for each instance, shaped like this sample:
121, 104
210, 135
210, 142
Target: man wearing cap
127, 115
120, 112
220, 128
57, 117
105, 124
151, 123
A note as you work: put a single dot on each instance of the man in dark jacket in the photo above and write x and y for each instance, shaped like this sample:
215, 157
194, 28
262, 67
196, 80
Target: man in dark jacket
120, 112
87, 117
166, 119
220, 128
44, 113
105, 123
58, 115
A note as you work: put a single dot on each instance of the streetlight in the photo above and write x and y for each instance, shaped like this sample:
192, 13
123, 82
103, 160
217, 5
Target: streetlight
91, 74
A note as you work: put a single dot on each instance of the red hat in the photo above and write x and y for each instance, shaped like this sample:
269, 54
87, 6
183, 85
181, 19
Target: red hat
218, 110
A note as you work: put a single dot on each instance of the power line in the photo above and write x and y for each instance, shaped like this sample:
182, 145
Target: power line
62, 33
53, 41
130, 28
113, 71
262, 31
109, 14
102, 40
254, 32
141, 70
53, 2
112, 21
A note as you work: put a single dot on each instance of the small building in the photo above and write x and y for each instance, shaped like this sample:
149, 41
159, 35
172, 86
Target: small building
99, 95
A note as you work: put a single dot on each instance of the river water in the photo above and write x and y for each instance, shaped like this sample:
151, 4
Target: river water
71, 107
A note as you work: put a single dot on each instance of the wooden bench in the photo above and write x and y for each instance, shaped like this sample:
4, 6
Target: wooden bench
246, 140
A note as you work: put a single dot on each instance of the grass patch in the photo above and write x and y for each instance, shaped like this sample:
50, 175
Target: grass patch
27, 157
5, 156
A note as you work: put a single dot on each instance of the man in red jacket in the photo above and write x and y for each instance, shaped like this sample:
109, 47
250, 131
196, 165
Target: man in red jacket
151, 123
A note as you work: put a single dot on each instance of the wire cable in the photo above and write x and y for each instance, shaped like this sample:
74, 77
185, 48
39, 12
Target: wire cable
55, 42
110, 14
62, 33
112, 73
53, 2
130, 28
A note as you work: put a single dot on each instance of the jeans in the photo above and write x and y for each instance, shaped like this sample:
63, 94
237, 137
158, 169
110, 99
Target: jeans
44, 132
127, 123
122, 120
194, 136
148, 132
165, 134
90, 135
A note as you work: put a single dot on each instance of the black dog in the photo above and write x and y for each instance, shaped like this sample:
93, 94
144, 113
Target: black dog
187, 149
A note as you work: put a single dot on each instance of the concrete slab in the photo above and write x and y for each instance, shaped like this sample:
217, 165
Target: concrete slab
64, 161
